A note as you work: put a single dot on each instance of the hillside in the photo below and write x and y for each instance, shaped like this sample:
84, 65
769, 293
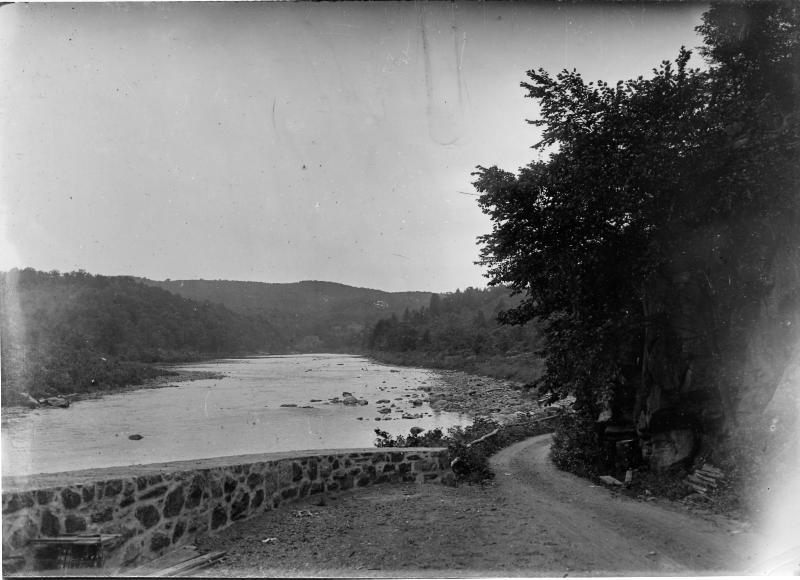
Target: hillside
310, 315
76, 332
461, 330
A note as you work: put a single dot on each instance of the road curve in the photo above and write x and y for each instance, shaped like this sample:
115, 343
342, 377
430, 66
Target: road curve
591, 530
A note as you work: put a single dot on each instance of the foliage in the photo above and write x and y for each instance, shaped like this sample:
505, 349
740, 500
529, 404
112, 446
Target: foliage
460, 330
470, 463
645, 238
522, 368
311, 316
576, 446
75, 332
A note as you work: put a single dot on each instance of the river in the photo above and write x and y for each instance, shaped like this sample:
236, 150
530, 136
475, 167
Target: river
238, 414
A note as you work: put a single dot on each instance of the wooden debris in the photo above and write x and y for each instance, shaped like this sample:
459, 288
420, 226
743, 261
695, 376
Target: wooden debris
705, 479
72, 551
181, 561
78, 540
484, 438
188, 566
711, 470
608, 480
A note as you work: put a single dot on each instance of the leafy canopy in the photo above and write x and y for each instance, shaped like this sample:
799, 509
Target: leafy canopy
684, 182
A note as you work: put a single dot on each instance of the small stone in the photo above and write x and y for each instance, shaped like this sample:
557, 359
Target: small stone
159, 541
19, 501
105, 515
135, 437
70, 499
173, 504
73, 524
148, 515
50, 525
239, 507
180, 527
219, 517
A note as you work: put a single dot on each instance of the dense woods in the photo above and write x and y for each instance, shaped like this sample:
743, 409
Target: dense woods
460, 330
76, 332
655, 238
312, 316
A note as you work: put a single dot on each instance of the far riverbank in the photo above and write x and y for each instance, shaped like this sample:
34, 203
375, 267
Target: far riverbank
165, 380
498, 387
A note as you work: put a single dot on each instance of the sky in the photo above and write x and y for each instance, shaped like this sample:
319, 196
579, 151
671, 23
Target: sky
279, 142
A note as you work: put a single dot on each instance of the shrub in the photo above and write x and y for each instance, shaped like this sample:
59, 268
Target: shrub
470, 460
576, 447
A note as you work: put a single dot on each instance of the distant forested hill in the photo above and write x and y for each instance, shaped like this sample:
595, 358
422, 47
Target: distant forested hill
312, 316
460, 330
76, 332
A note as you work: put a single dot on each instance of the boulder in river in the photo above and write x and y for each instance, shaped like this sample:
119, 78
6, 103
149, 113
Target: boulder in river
57, 402
135, 437
350, 400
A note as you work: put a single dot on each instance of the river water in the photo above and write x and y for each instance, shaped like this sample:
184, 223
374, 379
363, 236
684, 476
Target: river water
238, 414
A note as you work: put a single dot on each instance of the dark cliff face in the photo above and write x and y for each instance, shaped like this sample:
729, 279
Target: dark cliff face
723, 353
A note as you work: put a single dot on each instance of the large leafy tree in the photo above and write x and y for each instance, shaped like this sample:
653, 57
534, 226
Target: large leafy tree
648, 234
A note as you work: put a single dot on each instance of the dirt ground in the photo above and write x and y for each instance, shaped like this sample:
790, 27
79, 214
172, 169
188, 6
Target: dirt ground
533, 520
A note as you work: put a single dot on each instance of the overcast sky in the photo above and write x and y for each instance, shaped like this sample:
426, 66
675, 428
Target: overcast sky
281, 142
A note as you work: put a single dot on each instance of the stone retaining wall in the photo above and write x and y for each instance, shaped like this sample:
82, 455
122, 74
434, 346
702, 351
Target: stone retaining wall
158, 506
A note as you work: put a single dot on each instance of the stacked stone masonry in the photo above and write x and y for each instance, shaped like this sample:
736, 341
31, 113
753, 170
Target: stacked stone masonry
159, 506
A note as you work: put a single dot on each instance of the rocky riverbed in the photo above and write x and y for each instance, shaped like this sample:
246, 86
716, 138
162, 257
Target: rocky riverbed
452, 392
478, 396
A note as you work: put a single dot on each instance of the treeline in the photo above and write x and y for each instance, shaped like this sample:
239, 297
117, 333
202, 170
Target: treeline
75, 332
460, 330
312, 316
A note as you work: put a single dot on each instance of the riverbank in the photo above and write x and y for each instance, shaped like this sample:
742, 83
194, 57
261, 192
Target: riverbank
522, 368
478, 396
170, 376
165, 380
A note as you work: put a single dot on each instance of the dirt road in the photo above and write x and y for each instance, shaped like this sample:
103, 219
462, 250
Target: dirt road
532, 521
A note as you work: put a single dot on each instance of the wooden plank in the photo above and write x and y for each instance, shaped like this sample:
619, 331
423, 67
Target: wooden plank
701, 482
704, 478
484, 438
171, 558
84, 540
189, 565
712, 470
